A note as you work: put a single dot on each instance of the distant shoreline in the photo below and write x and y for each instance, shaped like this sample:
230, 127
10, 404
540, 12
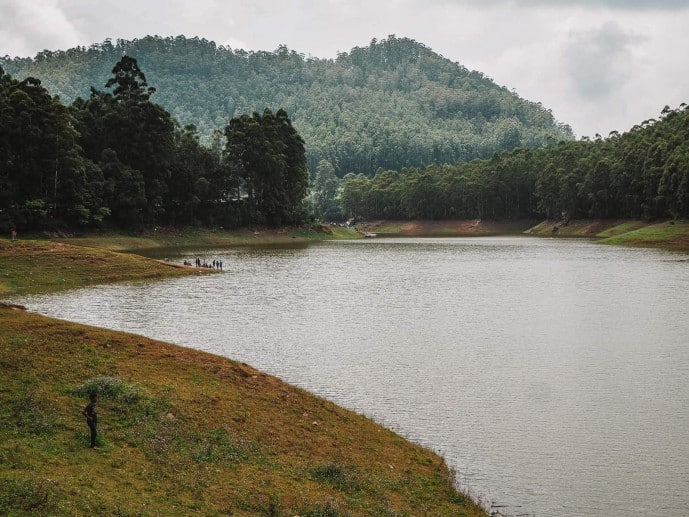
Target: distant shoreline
672, 235
667, 234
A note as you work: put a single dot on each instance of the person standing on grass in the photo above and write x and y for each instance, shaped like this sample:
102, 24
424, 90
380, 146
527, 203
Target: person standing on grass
92, 417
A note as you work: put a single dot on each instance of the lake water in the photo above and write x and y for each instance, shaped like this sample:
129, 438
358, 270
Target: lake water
553, 375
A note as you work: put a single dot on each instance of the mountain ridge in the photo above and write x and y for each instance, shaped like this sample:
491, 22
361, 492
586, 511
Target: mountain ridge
392, 104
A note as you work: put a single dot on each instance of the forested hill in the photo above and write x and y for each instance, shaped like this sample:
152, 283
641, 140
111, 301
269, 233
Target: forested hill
640, 174
392, 104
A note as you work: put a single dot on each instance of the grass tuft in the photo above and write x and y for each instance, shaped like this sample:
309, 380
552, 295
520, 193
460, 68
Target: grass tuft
344, 478
327, 510
220, 448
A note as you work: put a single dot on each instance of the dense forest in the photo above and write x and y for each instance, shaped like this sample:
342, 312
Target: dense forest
117, 159
114, 158
392, 104
640, 174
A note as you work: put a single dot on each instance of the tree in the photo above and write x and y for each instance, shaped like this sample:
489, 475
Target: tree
268, 157
140, 133
296, 177
193, 190
44, 179
325, 188
124, 191
129, 81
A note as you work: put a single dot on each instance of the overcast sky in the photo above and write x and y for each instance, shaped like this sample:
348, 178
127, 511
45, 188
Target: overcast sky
599, 65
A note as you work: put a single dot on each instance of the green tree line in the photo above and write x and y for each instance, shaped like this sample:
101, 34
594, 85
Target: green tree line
391, 104
116, 158
113, 157
640, 174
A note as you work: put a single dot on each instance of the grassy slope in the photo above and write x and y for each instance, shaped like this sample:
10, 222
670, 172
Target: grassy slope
445, 228
33, 266
180, 238
666, 234
182, 431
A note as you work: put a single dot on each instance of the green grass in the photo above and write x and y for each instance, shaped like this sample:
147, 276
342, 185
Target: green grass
36, 266
444, 228
590, 228
238, 441
668, 234
622, 228
673, 235
204, 238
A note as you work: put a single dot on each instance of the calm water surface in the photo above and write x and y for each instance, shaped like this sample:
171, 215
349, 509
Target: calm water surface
552, 375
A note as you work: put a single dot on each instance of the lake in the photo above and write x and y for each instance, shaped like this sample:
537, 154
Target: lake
553, 375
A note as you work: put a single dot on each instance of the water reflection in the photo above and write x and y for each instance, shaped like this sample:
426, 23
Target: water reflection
551, 374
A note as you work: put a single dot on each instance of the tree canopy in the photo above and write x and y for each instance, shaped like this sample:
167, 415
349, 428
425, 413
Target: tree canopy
640, 174
118, 159
267, 155
391, 104
43, 173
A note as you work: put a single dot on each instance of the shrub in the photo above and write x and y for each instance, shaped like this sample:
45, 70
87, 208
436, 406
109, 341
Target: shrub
109, 387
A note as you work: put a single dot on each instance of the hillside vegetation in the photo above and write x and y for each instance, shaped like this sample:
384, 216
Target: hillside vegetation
180, 431
642, 174
388, 131
117, 159
392, 104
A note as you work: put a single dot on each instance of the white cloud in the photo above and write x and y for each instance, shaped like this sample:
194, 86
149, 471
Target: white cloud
598, 61
29, 27
624, 5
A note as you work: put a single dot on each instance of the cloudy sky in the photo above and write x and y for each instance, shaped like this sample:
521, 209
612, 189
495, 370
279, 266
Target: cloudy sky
599, 65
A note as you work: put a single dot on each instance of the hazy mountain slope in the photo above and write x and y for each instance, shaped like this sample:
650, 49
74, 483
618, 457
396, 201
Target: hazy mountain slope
392, 104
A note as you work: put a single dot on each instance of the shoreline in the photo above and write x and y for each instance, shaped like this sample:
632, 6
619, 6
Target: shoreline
180, 430
53, 267
239, 415
668, 234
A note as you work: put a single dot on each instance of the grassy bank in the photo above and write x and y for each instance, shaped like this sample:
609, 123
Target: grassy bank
181, 431
40, 265
672, 235
449, 228
29, 267
666, 234
196, 238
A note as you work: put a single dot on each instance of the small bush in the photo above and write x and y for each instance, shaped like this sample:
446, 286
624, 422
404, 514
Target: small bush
109, 387
127, 408
218, 446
